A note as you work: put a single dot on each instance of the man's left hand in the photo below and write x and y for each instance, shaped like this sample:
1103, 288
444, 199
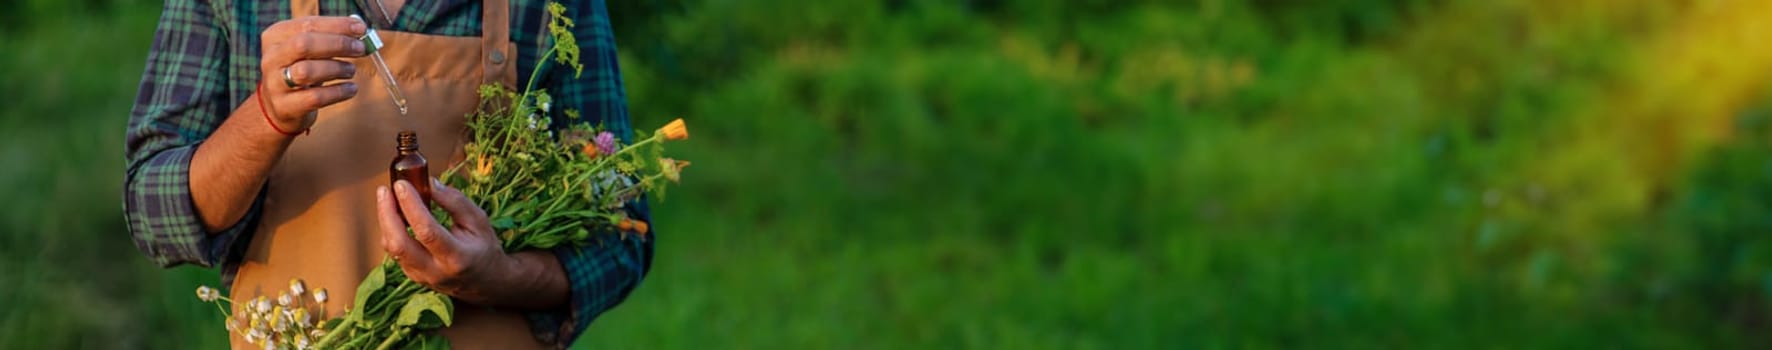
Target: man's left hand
464, 261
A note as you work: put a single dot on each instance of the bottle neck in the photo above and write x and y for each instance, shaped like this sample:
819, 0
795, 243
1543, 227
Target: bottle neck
407, 142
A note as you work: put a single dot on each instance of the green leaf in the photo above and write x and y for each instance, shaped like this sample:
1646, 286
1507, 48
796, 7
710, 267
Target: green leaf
442, 216
426, 310
371, 284
503, 223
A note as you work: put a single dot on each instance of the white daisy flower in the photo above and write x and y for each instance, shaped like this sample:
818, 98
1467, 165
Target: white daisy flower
320, 295
296, 287
205, 293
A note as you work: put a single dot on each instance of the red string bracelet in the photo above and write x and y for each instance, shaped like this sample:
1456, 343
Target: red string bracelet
262, 110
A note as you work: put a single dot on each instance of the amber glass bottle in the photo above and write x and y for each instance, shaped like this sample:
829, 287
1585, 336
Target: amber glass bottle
409, 165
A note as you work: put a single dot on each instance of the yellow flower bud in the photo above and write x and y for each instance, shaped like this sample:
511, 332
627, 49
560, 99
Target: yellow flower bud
675, 130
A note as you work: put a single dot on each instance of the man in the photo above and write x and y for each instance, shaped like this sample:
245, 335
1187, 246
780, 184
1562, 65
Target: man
261, 136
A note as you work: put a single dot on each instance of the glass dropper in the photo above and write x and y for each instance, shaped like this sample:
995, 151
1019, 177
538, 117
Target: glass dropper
372, 44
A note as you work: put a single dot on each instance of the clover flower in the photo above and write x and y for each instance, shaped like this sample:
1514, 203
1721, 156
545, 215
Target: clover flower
605, 142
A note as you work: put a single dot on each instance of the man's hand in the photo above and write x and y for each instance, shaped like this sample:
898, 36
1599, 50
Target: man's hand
228, 169
303, 50
465, 261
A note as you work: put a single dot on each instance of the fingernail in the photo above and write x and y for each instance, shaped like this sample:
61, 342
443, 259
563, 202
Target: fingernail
357, 46
381, 193
350, 88
350, 70
359, 27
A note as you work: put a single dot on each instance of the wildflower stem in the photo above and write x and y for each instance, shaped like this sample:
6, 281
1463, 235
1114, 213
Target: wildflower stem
394, 339
634, 189
537, 72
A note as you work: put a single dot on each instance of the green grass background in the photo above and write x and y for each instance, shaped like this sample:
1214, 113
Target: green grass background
1088, 174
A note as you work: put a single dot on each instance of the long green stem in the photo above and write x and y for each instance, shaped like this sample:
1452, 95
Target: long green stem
224, 311
333, 335
537, 72
394, 339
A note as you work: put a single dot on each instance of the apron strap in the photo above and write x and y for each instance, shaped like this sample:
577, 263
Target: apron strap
495, 42
303, 8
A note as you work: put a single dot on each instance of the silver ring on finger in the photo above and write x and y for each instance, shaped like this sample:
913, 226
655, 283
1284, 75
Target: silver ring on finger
289, 80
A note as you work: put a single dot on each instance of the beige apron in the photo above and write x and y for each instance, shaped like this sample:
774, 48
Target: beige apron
319, 221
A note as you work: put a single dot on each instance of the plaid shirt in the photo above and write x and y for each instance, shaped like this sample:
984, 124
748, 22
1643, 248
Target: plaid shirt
204, 64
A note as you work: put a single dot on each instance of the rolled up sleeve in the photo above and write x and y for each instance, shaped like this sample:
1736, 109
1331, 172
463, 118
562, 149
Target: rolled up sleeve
600, 276
183, 98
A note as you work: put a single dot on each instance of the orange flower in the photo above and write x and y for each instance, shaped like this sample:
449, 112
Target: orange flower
631, 225
590, 150
675, 130
482, 167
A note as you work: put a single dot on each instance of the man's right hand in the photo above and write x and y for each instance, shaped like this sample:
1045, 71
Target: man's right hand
307, 47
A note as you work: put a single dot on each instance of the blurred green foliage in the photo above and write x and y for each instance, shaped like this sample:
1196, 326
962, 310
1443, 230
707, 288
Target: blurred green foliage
1072, 174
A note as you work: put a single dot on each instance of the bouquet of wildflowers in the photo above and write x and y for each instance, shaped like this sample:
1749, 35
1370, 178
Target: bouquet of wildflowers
539, 189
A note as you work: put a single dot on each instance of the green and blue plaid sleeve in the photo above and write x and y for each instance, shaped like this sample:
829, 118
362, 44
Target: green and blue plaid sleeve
183, 98
600, 275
